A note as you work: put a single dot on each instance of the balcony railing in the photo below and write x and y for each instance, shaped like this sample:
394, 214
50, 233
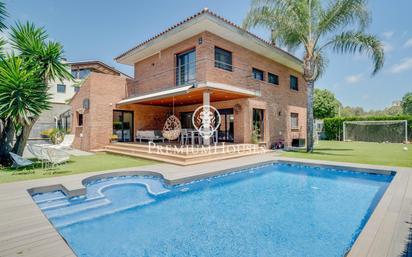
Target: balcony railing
200, 71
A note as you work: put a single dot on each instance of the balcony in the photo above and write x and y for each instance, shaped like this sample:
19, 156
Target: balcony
200, 72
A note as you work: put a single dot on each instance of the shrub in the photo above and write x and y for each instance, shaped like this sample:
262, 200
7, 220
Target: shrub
333, 127
56, 135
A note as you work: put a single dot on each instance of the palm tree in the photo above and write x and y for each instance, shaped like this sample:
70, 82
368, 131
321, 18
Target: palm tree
316, 26
24, 78
45, 59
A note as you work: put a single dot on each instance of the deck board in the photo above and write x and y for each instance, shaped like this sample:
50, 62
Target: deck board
27, 232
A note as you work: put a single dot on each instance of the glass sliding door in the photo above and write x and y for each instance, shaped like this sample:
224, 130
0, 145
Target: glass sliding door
258, 123
123, 125
186, 68
226, 129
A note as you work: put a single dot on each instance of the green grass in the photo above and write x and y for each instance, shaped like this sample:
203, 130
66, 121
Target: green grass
359, 152
77, 164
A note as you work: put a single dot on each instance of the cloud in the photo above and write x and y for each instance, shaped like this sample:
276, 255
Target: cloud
405, 64
388, 34
387, 47
7, 48
408, 43
352, 79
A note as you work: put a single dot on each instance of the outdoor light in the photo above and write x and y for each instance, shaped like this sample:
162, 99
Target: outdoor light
200, 40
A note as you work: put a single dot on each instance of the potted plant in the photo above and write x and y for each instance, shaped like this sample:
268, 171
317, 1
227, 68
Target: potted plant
255, 134
114, 138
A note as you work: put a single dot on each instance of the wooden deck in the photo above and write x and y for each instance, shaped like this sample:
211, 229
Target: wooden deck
184, 154
25, 231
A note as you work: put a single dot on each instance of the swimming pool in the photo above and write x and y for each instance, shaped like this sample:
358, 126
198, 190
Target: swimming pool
271, 210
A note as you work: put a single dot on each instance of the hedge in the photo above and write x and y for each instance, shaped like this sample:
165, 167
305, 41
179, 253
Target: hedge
333, 127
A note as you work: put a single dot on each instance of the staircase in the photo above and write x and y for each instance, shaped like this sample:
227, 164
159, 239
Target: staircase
183, 155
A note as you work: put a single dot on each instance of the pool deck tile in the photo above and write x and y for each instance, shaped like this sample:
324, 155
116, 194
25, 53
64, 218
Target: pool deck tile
25, 231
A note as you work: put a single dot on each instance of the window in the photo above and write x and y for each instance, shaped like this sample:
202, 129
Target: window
76, 89
258, 124
294, 120
61, 88
75, 74
273, 78
80, 119
83, 73
186, 67
223, 59
294, 83
257, 74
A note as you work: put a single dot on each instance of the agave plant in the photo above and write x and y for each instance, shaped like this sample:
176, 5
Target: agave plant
317, 26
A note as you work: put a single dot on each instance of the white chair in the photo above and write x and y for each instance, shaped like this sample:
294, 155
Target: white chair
66, 143
39, 152
57, 156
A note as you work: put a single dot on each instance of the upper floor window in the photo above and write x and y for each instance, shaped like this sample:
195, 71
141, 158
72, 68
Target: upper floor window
223, 59
61, 88
186, 67
83, 73
294, 120
257, 74
273, 78
76, 89
294, 83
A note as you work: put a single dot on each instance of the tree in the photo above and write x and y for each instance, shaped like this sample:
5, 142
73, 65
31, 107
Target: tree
316, 26
325, 104
24, 81
406, 103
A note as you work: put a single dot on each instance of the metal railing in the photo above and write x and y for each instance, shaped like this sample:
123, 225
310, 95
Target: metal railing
196, 72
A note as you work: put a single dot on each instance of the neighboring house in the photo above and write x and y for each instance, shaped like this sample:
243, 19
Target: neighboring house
62, 92
205, 59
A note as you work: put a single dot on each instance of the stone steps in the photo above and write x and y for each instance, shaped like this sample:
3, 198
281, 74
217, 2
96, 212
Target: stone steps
187, 157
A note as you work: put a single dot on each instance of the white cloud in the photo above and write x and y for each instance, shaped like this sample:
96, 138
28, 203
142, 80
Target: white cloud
352, 79
387, 47
7, 48
388, 34
405, 64
408, 43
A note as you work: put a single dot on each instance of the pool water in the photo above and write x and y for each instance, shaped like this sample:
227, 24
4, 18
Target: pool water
272, 210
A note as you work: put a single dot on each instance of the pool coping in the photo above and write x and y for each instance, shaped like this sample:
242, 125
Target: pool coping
29, 233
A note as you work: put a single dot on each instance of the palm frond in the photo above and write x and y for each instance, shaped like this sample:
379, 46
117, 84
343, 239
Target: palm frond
3, 15
22, 93
342, 13
359, 42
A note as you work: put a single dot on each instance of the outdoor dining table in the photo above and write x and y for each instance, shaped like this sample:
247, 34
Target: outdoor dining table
193, 133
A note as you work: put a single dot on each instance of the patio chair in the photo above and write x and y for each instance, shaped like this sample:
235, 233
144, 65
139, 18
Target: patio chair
66, 143
19, 162
39, 152
57, 156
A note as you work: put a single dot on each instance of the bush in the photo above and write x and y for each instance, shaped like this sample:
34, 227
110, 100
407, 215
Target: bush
55, 135
333, 127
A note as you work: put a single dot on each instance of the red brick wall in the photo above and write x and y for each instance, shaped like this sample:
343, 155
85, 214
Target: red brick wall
278, 101
103, 91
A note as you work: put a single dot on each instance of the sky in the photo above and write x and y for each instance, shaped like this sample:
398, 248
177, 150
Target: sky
101, 30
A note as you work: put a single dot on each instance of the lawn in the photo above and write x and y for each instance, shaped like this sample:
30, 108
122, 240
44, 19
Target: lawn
359, 152
77, 164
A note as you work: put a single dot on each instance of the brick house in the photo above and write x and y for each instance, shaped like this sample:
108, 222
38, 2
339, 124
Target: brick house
204, 59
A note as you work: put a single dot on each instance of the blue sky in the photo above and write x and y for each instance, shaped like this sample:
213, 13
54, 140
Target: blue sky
96, 29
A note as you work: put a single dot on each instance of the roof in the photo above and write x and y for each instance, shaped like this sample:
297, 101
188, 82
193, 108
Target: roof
97, 62
206, 20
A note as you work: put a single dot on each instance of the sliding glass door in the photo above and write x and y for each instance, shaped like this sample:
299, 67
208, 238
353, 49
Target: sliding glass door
123, 125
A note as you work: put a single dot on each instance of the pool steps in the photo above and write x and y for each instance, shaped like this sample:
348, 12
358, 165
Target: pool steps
64, 211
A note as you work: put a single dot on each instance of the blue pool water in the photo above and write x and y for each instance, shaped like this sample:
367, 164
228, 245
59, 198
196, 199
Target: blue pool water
273, 210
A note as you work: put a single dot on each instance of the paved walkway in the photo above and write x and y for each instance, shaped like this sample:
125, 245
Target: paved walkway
25, 231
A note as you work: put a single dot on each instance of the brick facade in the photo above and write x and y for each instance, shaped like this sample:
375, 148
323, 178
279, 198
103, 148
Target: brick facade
158, 72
